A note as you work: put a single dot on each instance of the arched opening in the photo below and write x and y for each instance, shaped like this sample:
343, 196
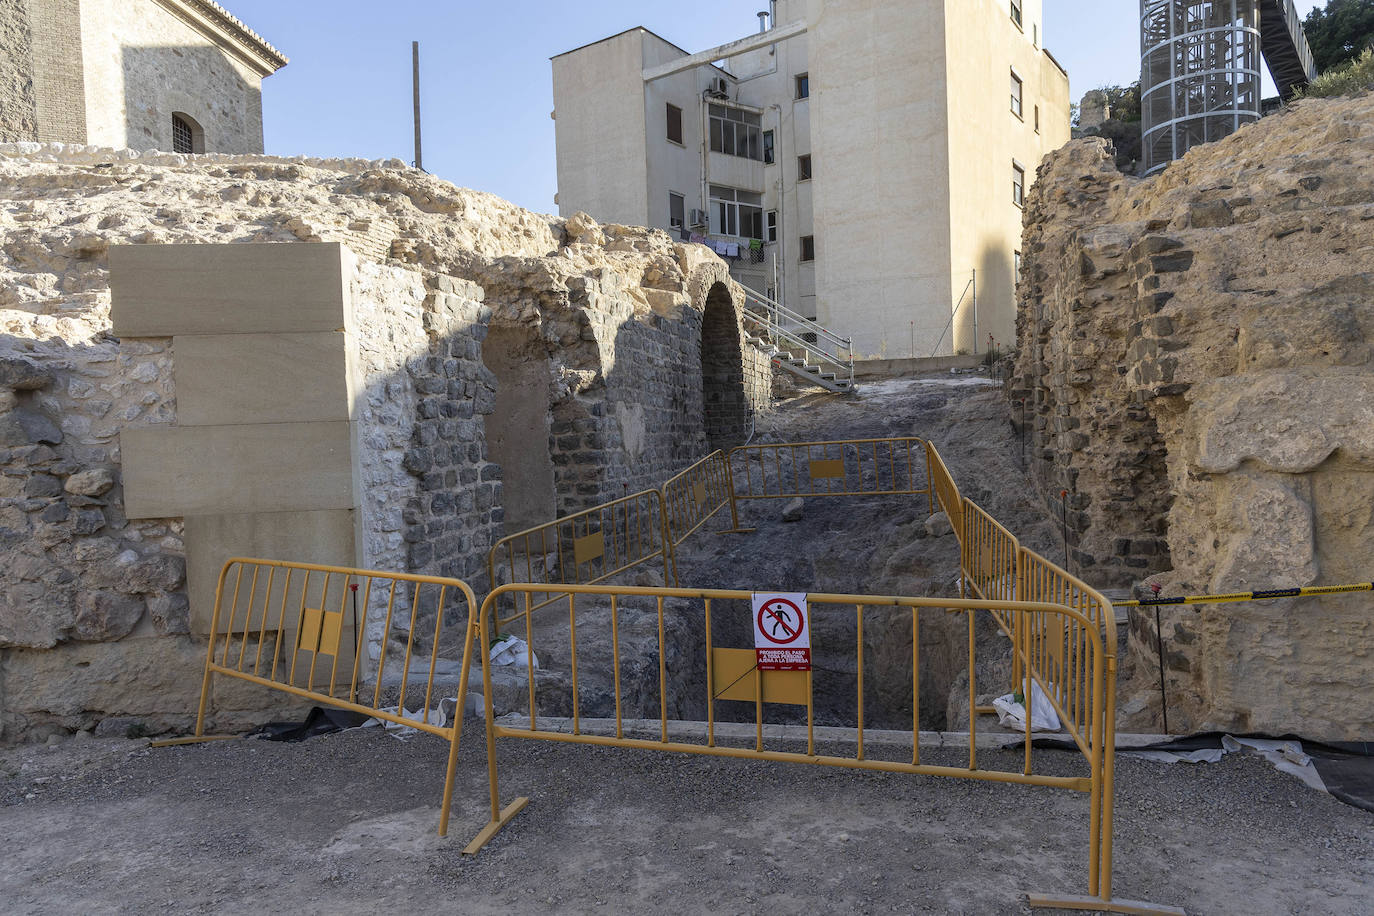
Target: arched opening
187, 135
725, 408
517, 429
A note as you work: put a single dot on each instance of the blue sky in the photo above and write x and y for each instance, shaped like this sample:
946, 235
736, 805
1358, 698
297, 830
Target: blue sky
485, 74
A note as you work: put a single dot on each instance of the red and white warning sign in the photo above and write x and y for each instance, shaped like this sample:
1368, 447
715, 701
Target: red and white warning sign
782, 634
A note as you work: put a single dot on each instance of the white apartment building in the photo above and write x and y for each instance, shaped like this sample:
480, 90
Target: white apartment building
864, 162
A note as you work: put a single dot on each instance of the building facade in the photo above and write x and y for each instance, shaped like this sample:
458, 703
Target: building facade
173, 75
862, 162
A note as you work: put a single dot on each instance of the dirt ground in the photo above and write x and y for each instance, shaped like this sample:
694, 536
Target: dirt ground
346, 823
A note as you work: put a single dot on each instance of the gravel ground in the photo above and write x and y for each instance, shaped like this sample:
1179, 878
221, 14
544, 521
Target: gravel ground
346, 824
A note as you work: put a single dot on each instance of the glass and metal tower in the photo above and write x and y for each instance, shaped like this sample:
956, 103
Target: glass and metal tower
1199, 74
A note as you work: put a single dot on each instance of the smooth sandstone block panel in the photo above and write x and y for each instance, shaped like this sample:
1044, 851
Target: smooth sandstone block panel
183, 471
260, 378
169, 290
325, 537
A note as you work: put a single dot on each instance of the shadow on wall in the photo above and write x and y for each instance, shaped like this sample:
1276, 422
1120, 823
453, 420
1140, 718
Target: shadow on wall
200, 86
996, 304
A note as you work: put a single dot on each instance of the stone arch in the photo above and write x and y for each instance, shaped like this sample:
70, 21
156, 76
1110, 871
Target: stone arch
725, 405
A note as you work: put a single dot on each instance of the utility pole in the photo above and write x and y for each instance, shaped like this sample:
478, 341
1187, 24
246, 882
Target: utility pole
415, 66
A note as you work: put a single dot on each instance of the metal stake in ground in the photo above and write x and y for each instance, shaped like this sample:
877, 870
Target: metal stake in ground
1159, 647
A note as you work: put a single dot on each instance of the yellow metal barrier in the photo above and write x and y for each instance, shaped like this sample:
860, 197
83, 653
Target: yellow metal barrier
1060, 655
732, 673
584, 548
847, 467
989, 557
695, 496
303, 629
945, 490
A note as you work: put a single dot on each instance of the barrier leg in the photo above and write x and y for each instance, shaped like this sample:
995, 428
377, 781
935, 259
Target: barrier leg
499, 817
458, 712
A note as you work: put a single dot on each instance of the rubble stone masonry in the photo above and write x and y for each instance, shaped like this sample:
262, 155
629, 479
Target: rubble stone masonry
97, 627
1195, 372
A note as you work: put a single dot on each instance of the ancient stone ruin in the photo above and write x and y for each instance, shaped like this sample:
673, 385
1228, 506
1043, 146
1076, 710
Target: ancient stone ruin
1195, 375
322, 359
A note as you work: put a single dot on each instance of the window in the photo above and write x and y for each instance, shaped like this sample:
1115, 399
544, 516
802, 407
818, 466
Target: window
737, 213
770, 227
674, 123
808, 248
1035, 34
1018, 185
187, 137
1015, 94
804, 167
677, 210
803, 85
767, 147
1016, 12
736, 132
1037, 119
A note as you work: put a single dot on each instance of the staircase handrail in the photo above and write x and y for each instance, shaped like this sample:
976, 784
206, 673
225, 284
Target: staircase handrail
781, 311
840, 351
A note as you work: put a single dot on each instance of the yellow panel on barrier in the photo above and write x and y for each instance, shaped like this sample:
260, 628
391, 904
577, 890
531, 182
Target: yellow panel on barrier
735, 676
830, 468
588, 548
320, 631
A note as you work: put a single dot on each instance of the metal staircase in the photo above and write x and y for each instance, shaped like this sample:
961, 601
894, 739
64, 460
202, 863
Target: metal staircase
813, 353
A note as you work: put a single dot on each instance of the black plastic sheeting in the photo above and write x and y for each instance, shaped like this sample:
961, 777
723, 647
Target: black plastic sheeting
319, 721
1346, 767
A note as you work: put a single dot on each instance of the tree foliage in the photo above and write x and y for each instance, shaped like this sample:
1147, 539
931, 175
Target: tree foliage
1340, 32
1347, 79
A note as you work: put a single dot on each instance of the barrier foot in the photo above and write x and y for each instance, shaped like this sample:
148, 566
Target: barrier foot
738, 530
1097, 904
191, 739
495, 826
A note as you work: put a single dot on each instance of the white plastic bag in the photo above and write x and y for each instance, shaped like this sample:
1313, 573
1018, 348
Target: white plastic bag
512, 650
1012, 714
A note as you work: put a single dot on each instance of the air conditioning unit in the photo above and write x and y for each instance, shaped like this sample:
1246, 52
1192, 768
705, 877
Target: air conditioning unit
719, 86
697, 219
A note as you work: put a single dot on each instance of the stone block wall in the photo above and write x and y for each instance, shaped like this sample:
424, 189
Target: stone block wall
97, 610
1195, 354
18, 106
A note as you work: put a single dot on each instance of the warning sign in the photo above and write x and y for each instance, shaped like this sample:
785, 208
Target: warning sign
782, 634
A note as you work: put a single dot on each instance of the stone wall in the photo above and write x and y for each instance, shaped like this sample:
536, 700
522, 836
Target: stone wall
1194, 352
59, 72
17, 103
96, 617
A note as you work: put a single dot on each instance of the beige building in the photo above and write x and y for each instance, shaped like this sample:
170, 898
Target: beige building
862, 161
173, 75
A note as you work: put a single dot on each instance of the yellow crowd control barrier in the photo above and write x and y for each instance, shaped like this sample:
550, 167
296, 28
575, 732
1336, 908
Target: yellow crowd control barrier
303, 628
694, 497
585, 547
847, 467
945, 490
1060, 641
